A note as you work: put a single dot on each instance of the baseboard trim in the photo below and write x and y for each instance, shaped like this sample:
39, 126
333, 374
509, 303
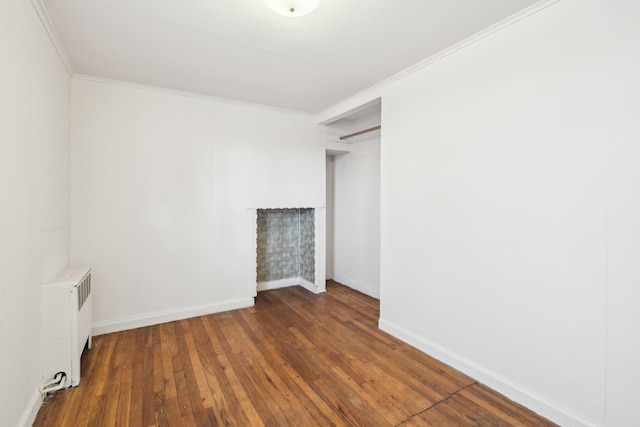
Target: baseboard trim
311, 287
149, 319
277, 284
357, 286
291, 281
514, 391
31, 410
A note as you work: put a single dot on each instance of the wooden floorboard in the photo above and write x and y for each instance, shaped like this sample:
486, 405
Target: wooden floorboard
294, 359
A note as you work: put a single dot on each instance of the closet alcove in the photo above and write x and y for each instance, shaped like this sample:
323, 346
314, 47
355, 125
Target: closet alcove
352, 146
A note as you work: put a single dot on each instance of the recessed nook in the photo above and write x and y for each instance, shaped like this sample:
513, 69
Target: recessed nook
289, 246
285, 247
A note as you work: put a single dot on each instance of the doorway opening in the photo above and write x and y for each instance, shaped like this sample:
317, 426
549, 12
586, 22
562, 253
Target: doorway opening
353, 199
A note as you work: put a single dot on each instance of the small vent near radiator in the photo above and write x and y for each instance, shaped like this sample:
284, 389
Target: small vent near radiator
84, 290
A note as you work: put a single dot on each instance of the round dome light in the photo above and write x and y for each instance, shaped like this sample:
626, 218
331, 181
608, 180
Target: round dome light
292, 8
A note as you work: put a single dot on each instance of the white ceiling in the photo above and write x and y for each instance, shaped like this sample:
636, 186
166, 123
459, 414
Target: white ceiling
239, 49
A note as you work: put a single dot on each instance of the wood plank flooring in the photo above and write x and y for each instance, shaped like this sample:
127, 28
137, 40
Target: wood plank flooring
294, 359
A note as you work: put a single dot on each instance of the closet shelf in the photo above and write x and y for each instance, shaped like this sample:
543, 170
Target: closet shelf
360, 132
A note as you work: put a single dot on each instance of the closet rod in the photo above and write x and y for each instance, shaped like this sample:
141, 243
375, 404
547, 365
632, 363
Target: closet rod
351, 135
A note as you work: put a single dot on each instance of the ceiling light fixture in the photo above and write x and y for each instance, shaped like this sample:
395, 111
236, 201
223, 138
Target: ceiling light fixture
292, 8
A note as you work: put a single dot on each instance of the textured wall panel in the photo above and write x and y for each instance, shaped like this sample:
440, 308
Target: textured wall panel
286, 244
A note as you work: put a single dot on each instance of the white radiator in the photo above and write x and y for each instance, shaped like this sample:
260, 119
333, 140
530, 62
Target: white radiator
66, 323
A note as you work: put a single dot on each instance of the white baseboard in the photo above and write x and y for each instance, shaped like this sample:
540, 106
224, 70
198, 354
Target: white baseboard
353, 284
277, 284
31, 410
310, 286
149, 319
291, 281
511, 389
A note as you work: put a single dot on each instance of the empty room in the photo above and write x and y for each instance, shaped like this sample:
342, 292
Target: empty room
319, 212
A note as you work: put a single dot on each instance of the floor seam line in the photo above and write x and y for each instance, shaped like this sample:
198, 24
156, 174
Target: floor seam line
435, 404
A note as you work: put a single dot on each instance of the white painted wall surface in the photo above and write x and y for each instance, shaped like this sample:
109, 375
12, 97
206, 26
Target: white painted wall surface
329, 215
34, 198
356, 254
623, 292
510, 210
161, 186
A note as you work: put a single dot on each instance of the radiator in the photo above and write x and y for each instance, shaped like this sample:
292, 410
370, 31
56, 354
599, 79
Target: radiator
66, 323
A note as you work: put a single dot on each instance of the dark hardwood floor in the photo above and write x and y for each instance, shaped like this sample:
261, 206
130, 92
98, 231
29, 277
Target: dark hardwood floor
294, 359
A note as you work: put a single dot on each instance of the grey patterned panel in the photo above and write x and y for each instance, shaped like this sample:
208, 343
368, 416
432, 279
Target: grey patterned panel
307, 245
286, 244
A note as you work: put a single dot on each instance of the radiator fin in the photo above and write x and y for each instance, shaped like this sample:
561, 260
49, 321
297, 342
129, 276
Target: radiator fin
84, 290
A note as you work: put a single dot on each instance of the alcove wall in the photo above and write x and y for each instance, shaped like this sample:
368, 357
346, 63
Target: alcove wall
285, 253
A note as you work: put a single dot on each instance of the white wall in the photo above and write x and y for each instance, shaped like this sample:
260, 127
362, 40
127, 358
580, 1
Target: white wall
356, 237
34, 198
623, 225
510, 210
329, 215
161, 186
